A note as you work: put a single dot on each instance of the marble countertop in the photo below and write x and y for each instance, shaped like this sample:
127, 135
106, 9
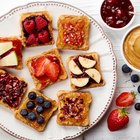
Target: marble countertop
100, 131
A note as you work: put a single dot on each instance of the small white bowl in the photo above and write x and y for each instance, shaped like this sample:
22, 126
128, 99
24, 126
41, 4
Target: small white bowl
116, 29
122, 51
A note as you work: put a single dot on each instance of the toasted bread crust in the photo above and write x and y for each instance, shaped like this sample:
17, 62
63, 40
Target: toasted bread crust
21, 97
97, 67
87, 99
12, 38
48, 17
47, 114
62, 76
65, 18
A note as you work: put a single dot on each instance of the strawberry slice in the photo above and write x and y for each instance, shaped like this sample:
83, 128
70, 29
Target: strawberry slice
40, 22
125, 99
117, 119
52, 71
39, 66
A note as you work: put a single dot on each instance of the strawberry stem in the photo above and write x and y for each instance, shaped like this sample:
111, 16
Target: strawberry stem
134, 94
123, 111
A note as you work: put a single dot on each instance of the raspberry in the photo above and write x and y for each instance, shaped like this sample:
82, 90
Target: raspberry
40, 22
29, 25
43, 36
31, 40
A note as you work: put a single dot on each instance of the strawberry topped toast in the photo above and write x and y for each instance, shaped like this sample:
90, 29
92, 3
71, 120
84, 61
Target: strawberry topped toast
46, 69
36, 29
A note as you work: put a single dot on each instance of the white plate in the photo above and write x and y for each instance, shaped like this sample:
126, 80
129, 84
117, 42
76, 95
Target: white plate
9, 26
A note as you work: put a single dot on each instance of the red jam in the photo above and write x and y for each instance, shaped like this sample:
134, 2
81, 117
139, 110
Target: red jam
73, 33
116, 13
11, 89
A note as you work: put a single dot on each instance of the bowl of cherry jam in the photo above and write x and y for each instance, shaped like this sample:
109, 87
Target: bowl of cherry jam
117, 14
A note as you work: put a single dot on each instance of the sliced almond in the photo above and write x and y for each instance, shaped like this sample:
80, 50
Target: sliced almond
74, 68
86, 63
79, 82
94, 74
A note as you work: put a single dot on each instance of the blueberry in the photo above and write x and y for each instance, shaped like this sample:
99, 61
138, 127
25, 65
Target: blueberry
24, 112
31, 116
40, 120
40, 100
39, 109
30, 105
47, 104
134, 78
32, 95
137, 106
126, 69
138, 89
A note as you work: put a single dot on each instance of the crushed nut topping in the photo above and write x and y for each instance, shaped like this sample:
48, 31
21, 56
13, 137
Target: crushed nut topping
73, 33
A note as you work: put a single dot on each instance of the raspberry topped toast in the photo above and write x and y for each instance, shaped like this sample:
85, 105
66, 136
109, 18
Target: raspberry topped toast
10, 52
73, 32
36, 29
85, 71
36, 110
73, 108
46, 69
12, 89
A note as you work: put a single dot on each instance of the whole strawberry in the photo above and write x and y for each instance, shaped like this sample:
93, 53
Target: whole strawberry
117, 119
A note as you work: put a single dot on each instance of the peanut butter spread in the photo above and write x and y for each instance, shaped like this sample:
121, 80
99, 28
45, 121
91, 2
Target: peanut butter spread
131, 47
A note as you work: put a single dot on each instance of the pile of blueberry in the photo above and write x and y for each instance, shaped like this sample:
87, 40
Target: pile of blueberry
134, 78
35, 107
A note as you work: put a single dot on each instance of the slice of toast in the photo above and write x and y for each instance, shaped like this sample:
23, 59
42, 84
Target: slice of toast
73, 32
46, 114
73, 108
31, 16
91, 83
38, 83
12, 90
16, 47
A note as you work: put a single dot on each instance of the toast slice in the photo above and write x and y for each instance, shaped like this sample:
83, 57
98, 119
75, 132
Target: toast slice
85, 71
73, 108
36, 29
41, 83
24, 112
12, 90
73, 32
10, 52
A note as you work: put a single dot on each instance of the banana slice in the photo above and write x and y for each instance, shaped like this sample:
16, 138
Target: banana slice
79, 82
94, 74
74, 68
86, 63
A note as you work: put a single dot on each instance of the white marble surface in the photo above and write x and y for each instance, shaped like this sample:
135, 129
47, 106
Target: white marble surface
100, 131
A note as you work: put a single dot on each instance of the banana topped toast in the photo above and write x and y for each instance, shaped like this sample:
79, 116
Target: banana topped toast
73, 108
85, 71
73, 32
36, 110
36, 29
46, 69
10, 52
12, 90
